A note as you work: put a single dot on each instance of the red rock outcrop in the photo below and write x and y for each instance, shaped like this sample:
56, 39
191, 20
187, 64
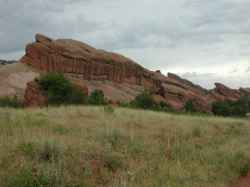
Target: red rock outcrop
34, 96
74, 58
222, 92
119, 77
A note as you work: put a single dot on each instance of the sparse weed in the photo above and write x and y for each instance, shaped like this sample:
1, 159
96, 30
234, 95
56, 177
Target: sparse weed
109, 109
197, 132
29, 149
60, 130
50, 151
113, 161
46, 176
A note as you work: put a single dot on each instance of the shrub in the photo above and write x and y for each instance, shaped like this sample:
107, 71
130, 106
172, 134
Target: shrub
50, 151
113, 161
144, 101
29, 176
60, 90
196, 132
12, 102
163, 106
108, 109
231, 108
29, 149
24, 178
190, 107
97, 98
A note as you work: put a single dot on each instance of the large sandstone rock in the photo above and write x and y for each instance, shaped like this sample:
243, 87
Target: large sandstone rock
119, 77
74, 58
34, 96
14, 79
222, 92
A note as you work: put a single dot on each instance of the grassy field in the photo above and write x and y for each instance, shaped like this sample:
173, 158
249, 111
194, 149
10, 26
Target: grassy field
96, 146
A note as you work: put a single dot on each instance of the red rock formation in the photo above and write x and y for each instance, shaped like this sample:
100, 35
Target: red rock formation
222, 92
33, 96
75, 58
245, 91
119, 77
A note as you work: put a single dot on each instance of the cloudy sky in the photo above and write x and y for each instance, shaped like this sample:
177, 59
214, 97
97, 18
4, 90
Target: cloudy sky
205, 41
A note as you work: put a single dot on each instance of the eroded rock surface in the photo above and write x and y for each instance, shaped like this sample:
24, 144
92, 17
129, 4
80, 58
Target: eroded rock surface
119, 77
14, 79
34, 96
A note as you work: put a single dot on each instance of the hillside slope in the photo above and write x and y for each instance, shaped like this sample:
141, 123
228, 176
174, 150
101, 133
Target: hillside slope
91, 146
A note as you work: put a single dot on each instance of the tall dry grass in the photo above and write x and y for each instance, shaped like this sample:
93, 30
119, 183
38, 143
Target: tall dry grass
96, 146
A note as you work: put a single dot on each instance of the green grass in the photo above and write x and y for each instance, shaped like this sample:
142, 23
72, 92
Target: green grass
96, 146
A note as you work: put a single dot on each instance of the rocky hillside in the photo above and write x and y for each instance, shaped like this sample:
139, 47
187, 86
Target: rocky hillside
119, 77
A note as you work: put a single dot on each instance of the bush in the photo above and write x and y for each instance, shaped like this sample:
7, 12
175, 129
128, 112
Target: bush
113, 161
29, 176
60, 90
97, 98
108, 109
144, 101
50, 151
190, 107
163, 106
12, 102
231, 108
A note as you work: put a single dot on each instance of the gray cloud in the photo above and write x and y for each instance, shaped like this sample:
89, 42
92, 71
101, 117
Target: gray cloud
211, 38
248, 70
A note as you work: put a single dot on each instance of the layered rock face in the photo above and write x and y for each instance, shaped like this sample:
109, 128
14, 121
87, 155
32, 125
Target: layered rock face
119, 77
33, 96
79, 60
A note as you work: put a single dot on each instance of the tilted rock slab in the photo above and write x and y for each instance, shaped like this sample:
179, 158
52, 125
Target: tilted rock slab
119, 77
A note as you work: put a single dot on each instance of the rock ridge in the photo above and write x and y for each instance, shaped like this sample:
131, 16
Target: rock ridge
119, 77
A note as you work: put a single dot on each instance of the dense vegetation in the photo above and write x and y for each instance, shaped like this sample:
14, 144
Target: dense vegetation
222, 108
232, 108
97, 98
97, 146
60, 90
146, 101
190, 107
12, 102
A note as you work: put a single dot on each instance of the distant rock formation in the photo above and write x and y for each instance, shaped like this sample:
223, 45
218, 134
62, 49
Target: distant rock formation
119, 77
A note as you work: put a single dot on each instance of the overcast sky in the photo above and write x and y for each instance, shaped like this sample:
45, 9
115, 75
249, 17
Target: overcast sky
205, 41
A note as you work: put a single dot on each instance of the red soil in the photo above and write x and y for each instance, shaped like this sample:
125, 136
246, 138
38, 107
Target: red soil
243, 182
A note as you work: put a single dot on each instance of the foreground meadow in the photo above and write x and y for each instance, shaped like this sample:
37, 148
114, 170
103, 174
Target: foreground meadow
99, 146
